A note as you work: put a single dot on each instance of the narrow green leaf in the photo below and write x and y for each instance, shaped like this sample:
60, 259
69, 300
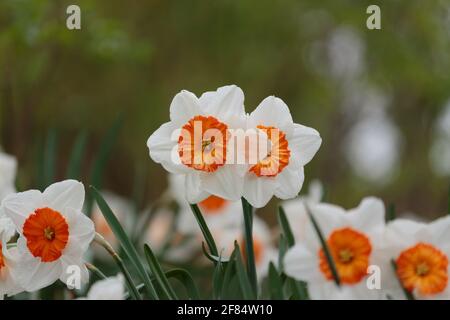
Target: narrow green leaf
325, 248
124, 241
282, 249
186, 279
285, 227
76, 157
247, 290
205, 230
217, 281
391, 213
249, 248
158, 273
408, 295
275, 284
50, 158
298, 288
230, 272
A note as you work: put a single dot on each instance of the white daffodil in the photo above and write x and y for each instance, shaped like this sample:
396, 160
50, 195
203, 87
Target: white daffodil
263, 247
54, 233
421, 253
353, 238
112, 288
123, 211
296, 211
218, 212
8, 168
8, 259
197, 143
292, 146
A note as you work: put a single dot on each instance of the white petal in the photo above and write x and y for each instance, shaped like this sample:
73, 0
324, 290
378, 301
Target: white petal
33, 274
289, 182
227, 182
272, 111
82, 230
440, 230
66, 194
193, 191
20, 205
184, 106
71, 265
302, 264
369, 215
304, 143
258, 190
228, 105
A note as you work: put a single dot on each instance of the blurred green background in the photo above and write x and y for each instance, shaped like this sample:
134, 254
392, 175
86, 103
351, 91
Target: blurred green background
376, 96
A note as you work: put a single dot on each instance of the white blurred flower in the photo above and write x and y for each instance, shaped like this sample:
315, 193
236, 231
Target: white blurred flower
372, 148
112, 288
296, 212
123, 210
8, 259
421, 252
440, 149
54, 233
8, 168
353, 238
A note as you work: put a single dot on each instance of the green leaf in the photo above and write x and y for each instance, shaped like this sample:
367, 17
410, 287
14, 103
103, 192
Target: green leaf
205, 230
124, 241
246, 287
275, 284
76, 157
285, 227
217, 281
50, 158
298, 288
158, 273
186, 279
282, 249
391, 213
325, 248
249, 248
408, 295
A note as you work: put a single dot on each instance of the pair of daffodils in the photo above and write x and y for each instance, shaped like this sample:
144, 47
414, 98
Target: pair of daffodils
53, 233
364, 250
225, 152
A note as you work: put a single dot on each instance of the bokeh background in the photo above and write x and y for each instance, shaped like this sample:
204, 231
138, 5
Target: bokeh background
379, 98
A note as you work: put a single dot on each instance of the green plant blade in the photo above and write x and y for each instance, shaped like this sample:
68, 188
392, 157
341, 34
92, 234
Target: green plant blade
158, 273
217, 281
408, 295
205, 230
275, 284
285, 227
249, 249
124, 241
246, 287
186, 279
76, 157
325, 247
391, 213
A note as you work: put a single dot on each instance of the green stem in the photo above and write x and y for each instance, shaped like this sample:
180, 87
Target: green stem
134, 293
205, 230
95, 270
249, 249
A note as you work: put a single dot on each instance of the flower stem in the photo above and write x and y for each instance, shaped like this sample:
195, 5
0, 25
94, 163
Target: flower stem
249, 249
95, 270
134, 293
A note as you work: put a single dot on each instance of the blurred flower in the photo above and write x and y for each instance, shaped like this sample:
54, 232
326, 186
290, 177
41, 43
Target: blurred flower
262, 244
353, 238
123, 210
177, 147
54, 233
440, 149
372, 147
292, 146
112, 288
8, 260
421, 252
296, 212
8, 167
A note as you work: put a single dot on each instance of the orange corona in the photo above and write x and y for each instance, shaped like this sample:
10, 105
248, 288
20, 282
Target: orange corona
47, 234
213, 205
351, 252
278, 157
423, 267
202, 143
2, 261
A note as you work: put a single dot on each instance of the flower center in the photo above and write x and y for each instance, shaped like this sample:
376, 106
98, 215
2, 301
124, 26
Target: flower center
423, 267
278, 157
2, 260
47, 234
213, 205
202, 143
351, 251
